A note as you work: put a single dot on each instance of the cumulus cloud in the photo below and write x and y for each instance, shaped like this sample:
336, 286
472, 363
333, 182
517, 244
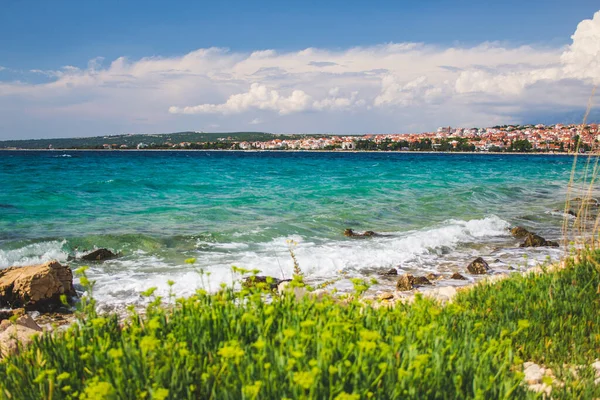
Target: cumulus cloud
582, 58
373, 88
258, 97
336, 101
414, 92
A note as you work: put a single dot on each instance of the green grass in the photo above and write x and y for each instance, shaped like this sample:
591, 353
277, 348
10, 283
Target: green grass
236, 345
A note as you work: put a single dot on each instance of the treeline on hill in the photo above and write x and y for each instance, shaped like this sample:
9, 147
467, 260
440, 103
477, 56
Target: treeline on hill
132, 140
230, 141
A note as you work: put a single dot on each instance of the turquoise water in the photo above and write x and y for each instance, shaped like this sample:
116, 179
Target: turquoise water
240, 208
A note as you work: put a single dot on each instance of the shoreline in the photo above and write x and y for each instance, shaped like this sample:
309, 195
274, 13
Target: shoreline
531, 341
308, 151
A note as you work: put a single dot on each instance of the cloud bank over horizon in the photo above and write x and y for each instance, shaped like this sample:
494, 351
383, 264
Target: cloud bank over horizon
395, 87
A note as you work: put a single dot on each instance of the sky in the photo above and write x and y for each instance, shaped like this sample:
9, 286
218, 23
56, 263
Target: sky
101, 67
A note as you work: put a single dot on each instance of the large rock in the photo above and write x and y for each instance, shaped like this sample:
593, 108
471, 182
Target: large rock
36, 287
16, 335
478, 267
99, 255
533, 240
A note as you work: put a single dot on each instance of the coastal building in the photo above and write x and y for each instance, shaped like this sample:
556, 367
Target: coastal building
348, 145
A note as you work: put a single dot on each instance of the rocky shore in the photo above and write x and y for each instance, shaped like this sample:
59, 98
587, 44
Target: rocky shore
33, 299
40, 297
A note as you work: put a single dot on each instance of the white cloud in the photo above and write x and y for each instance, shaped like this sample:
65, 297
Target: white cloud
386, 87
258, 97
414, 92
582, 58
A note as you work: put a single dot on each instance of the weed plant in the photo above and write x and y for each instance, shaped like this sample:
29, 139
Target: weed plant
233, 345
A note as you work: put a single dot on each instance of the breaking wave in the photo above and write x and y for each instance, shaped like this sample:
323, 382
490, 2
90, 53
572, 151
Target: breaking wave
119, 281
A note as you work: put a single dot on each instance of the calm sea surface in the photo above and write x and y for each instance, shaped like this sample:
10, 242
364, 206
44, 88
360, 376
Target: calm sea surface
437, 211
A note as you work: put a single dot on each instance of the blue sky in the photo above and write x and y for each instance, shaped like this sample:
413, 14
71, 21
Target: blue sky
58, 75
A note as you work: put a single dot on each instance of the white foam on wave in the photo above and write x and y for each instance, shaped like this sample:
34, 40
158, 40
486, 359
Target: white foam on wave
120, 281
35, 253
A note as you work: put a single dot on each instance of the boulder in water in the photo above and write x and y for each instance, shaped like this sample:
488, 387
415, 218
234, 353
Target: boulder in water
405, 283
433, 277
36, 287
99, 255
350, 233
408, 282
421, 280
391, 272
533, 240
519, 232
478, 267
458, 276
589, 201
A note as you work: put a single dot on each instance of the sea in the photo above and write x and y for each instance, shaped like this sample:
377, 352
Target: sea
157, 209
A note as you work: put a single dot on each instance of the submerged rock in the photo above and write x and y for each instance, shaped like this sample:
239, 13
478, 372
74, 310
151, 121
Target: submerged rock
350, 233
589, 201
99, 255
433, 277
36, 287
458, 276
421, 280
533, 240
391, 272
478, 267
519, 232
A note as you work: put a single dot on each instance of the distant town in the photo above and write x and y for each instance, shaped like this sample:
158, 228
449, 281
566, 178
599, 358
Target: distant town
557, 138
538, 138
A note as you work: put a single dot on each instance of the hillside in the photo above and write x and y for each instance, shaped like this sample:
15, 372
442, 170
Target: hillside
132, 140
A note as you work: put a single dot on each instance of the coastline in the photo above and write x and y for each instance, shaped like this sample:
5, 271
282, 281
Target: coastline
308, 151
411, 344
